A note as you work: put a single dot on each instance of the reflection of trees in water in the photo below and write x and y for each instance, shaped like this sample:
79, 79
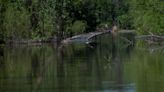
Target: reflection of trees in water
1, 56
94, 61
79, 69
112, 57
38, 67
117, 60
23, 66
91, 61
2, 70
73, 65
35, 65
60, 70
76, 69
148, 71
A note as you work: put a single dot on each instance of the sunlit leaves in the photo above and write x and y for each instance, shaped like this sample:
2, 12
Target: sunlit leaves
147, 15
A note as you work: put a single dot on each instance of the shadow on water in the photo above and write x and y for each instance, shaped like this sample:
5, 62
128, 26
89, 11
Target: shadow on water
108, 66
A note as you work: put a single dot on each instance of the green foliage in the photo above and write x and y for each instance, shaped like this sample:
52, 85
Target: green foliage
147, 15
45, 27
125, 21
36, 19
16, 22
103, 10
2, 15
78, 27
82, 11
113, 12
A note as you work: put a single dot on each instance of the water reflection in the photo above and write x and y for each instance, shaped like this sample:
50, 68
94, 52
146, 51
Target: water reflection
1, 56
104, 67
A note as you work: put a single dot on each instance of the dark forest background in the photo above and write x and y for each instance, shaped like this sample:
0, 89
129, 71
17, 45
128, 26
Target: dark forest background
45, 19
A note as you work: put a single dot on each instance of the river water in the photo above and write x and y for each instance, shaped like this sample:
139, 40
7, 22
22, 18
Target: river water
103, 67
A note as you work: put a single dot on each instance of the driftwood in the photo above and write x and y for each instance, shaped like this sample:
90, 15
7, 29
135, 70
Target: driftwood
87, 37
84, 38
154, 38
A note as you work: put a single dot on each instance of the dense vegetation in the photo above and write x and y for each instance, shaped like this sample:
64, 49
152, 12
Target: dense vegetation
43, 19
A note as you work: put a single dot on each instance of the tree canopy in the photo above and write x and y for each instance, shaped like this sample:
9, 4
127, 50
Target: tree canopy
35, 19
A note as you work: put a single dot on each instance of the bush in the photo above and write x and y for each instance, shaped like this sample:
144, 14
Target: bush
16, 22
147, 16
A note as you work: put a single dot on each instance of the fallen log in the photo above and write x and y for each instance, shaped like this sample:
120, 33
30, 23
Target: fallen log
86, 37
154, 38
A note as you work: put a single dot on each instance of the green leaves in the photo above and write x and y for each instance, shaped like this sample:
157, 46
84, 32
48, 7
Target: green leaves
147, 16
46, 18
78, 27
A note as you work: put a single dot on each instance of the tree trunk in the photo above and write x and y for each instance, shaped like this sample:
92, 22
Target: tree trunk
34, 13
2, 17
60, 20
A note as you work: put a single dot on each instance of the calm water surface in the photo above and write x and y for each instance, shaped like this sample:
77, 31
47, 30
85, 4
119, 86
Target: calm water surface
102, 67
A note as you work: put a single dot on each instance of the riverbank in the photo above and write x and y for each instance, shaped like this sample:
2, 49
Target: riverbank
150, 39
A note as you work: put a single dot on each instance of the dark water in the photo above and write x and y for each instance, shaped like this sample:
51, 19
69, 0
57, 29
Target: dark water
104, 67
